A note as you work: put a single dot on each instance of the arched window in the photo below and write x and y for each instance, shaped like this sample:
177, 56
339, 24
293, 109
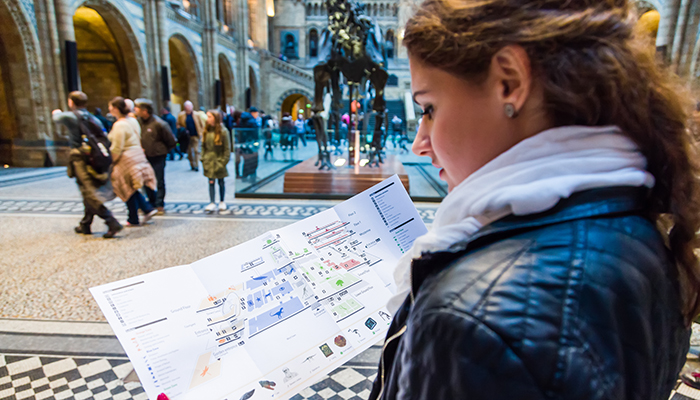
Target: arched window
396, 10
289, 46
313, 43
308, 9
389, 43
381, 10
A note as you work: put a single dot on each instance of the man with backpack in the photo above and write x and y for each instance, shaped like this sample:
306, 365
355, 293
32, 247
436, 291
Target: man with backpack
89, 161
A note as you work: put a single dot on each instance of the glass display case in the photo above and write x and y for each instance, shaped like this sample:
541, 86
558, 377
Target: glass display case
269, 164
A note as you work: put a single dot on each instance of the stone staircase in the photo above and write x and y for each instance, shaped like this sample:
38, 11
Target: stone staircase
292, 72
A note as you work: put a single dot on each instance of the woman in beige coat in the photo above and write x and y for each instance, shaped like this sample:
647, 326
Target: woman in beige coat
131, 170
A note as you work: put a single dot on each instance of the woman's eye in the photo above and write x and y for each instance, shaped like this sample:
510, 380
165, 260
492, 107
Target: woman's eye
428, 112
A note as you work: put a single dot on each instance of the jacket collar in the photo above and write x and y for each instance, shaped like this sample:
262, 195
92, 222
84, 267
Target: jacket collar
586, 204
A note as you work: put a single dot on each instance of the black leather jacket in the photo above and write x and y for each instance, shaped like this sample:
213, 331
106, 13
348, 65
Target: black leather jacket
579, 302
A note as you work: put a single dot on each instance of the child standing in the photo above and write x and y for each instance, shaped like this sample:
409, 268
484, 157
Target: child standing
216, 153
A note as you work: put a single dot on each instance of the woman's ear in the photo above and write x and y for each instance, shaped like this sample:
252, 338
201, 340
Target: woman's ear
511, 70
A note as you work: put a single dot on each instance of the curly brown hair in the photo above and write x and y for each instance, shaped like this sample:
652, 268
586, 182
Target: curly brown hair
594, 71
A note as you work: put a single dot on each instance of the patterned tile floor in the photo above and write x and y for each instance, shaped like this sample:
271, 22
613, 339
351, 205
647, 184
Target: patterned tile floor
252, 210
26, 374
87, 378
52, 377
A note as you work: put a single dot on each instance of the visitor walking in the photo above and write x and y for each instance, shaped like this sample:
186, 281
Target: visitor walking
170, 119
287, 132
247, 149
105, 122
267, 126
131, 170
95, 190
216, 153
193, 122
157, 140
300, 128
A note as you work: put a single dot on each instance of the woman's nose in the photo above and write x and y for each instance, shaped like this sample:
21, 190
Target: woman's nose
421, 144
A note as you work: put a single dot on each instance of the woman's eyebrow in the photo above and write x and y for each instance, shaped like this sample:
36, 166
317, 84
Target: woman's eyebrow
418, 93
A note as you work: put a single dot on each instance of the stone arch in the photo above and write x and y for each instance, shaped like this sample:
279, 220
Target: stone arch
228, 85
288, 98
24, 116
184, 71
647, 5
113, 13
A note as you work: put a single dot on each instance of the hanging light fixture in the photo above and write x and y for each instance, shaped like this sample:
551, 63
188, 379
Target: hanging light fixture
270, 5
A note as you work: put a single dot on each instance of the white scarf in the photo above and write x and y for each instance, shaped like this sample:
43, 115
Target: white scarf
529, 178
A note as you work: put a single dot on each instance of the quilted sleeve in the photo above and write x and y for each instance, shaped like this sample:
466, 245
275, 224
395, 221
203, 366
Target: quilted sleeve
451, 355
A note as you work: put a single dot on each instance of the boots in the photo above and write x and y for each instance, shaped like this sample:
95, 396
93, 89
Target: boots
114, 227
83, 229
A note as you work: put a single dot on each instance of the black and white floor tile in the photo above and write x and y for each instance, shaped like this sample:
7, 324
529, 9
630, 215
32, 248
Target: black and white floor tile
36, 377
51, 377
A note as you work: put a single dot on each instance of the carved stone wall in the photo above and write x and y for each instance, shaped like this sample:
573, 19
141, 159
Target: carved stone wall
23, 66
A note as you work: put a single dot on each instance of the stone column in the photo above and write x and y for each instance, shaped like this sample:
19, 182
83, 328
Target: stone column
667, 29
164, 67
150, 19
241, 35
690, 42
262, 25
264, 89
208, 51
58, 88
404, 13
679, 36
66, 32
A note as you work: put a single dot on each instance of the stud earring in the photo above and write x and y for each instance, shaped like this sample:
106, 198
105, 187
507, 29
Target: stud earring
510, 110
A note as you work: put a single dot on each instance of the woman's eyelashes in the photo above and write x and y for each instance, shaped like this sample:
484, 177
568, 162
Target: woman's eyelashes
428, 111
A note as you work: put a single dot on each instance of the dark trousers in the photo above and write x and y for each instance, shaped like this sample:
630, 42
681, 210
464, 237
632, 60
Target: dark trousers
135, 202
102, 212
88, 188
157, 199
173, 151
212, 189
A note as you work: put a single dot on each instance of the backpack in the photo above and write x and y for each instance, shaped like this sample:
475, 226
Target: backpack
95, 145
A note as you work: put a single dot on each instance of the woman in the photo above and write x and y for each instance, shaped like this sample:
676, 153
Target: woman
216, 153
560, 265
131, 171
